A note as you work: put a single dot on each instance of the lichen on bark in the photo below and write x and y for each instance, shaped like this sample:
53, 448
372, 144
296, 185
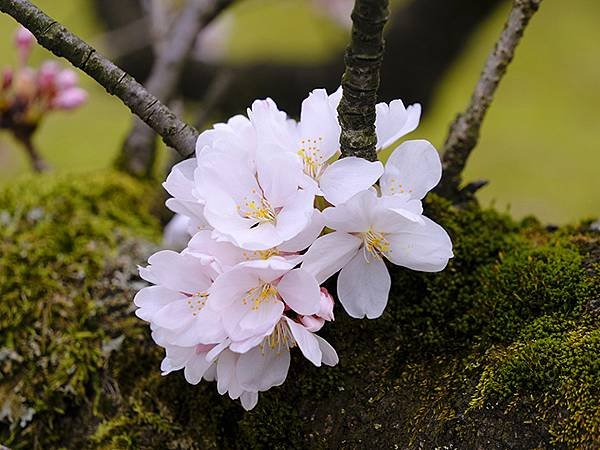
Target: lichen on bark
498, 351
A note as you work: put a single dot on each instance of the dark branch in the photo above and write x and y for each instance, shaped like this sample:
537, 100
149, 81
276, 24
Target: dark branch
139, 149
361, 79
56, 38
464, 131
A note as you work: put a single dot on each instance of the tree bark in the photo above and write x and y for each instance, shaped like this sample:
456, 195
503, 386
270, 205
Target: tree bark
139, 149
361, 79
464, 131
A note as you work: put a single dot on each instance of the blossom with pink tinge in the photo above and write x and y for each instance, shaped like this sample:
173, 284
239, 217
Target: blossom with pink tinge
24, 41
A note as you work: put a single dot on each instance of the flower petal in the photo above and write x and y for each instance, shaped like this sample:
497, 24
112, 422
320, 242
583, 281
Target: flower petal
347, 177
196, 367
413, 168
394, 121
150, 300
330, 356
300, 291
307, 342
249, 400
425, 247
262, 368
329, 254
363, 286
307, 236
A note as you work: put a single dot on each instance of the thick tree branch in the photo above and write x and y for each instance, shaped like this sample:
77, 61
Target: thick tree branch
60, 41
139, 149
361, 79
464, 131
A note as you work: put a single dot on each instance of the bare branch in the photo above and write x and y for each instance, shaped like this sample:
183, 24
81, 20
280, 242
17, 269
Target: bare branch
361, 79
60, 41
464, 131
139, 149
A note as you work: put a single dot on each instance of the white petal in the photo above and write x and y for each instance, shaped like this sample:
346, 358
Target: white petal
227, 254
413, 168
307, 236
258, 321
175, 234
353, 216
279, 175
307, 342
173, 316
180, 181
195, 368
394, 121
319, 127
262, 368
347, 177
300, 291
330, 356
230, 287
249, 400
151, 299
425, 247
271, 124
364, 286
226, 371
329, 254
179, 272
295, 216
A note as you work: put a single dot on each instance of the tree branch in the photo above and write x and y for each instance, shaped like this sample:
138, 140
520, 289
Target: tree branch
361, 79
464, 131
60, 41
139, 149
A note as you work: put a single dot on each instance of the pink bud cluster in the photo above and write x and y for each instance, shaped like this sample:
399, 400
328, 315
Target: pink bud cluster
27, 94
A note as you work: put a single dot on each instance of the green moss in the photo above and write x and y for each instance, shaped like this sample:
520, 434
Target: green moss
59, 239
497, 351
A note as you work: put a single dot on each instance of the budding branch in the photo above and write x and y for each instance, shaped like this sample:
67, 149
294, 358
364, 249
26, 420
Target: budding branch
464, 131
60, 41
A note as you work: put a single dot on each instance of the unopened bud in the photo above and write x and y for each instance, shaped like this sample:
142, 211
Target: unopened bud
312, 323
24, 41
24, 83
326, 305
66, 79
69, 99
47, 74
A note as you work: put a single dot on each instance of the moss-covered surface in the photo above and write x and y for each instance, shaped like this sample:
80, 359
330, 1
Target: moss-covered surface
498, 351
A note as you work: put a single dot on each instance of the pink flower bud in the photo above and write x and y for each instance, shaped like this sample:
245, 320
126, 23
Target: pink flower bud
326, 305
6, 79
24, 83
24, 41
312, 323
66, 79
47, 74
69, 99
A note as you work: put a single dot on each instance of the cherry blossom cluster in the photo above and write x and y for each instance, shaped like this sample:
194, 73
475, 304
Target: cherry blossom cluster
272, 212
27, 94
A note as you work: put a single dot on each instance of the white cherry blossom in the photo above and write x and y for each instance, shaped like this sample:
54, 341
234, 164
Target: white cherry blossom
252, 296
366, 231
176, 306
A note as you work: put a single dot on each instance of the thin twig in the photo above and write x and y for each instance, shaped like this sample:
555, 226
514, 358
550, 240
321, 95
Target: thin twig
60, 41
464, 131
361, 79
139, 149
38, 163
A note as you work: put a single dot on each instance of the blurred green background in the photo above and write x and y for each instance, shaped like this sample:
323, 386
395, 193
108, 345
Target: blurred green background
540, 141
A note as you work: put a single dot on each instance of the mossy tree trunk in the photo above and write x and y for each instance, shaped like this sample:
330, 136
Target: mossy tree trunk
498, 351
